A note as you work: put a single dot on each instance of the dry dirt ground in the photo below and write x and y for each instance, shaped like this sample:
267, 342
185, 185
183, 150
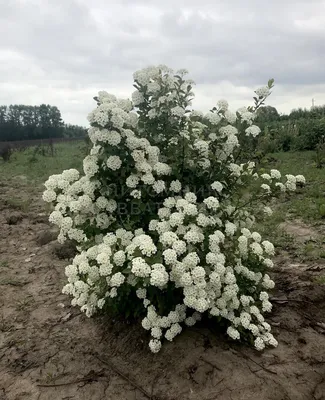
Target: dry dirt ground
49, 351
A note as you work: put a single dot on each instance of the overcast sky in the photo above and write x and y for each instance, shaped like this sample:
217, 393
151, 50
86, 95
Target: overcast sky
62, 52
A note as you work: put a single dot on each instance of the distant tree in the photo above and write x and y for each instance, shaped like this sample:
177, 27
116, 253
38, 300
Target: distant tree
74, 131
23, 122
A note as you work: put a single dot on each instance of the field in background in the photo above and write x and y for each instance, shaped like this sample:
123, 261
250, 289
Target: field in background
38, 167
309, 204
50, 351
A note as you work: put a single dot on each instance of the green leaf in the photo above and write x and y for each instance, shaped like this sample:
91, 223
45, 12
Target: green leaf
270, 83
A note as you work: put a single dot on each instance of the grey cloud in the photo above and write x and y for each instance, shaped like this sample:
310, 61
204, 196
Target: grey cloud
77, 46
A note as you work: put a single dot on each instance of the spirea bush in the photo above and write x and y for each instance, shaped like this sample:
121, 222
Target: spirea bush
163, 215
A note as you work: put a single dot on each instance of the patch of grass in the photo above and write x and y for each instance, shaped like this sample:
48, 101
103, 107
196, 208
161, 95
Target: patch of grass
307, 203
18, 204
320, 280
22, 305
312, 251
5, 325
12, 282
4, 264
38, 168
270, 229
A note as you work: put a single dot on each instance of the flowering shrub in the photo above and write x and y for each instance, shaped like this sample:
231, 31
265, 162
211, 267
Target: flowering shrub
163, 215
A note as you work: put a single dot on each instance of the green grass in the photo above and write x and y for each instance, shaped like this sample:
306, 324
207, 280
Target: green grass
304, 205
320, 280
4, 264
307, 203
18, 204
38, 168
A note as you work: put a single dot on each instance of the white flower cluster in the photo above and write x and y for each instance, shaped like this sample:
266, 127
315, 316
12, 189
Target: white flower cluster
263, 91
143, 226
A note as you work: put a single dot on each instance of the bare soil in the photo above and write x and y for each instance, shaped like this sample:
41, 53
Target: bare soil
50, 351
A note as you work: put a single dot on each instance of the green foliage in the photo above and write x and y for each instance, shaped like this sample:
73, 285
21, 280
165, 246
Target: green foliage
300, 130
308, 204
66, 155
22, 122
6, 153
320, 153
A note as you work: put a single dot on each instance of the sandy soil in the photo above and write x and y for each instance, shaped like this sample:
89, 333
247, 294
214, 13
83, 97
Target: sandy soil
50, 351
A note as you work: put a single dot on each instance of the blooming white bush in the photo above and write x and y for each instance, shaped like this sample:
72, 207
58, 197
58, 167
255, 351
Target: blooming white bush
163, 215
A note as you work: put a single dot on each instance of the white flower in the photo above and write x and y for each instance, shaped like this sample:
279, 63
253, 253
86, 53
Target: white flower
268, 262
300, 179
275, 174
159, 277
132, 181
137, 98
213, 118
266, 177
170, 256
176, 219
162, 168
178, 111
230, 228
179, 246
49, 195
141, 293
159, 186
148, 179
229, 131
202, 146
140, 268
217, 186
164, 213
266, 187
256, 248
268, 247
173, 331
256, 237
114, 162
253, 130
111, 206
223, 105
119, 258
196, 113
190, 321
281, 186
136, 194
233, 333
230, 117
105, 97
190, 197
117, 279
263, 91
175, 186
212, 203
198, 273
259, 344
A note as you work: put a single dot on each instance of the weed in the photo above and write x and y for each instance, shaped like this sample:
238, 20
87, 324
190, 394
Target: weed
22, 305
320, 280
18, 204
4, 264
12, 282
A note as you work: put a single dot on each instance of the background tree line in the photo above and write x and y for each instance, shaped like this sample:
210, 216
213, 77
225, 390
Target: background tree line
301, 129
22, 122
